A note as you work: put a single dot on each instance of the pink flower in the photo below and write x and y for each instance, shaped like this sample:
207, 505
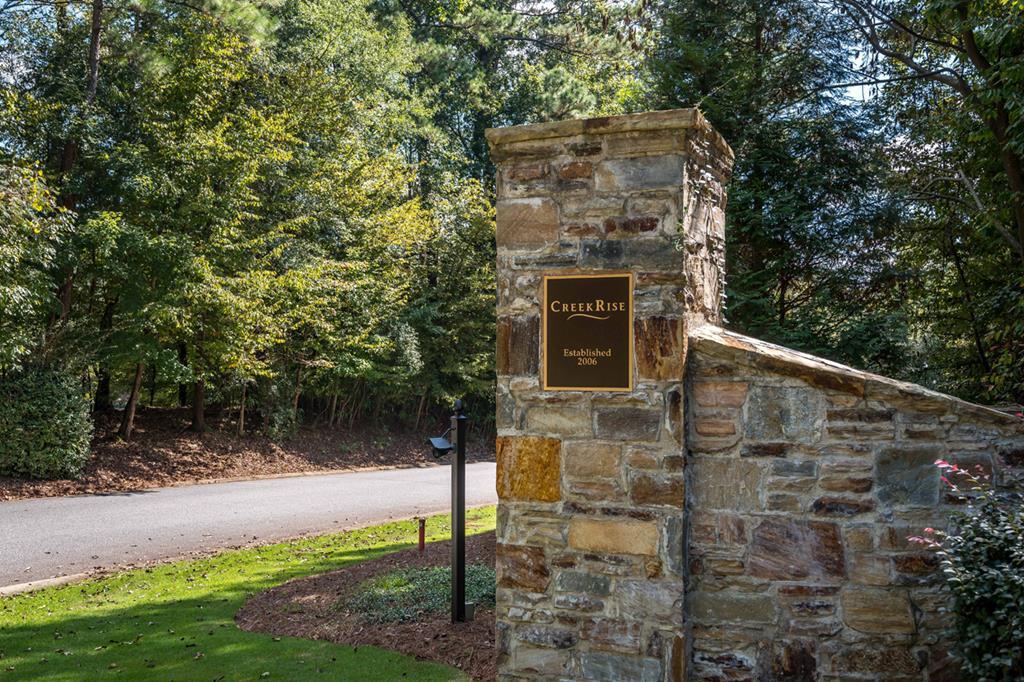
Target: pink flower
941, 463
929, 530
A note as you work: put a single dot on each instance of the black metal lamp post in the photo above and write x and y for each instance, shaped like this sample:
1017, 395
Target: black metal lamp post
443, 446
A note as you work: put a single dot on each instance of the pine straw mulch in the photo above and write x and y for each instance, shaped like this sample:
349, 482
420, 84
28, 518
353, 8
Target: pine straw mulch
313, 608
163, 452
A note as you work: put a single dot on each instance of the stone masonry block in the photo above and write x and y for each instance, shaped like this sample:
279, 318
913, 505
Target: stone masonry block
877, 611
613, 536
526, 223
627, 423
784, 413
652, 490
720, 393
528, 468
568, 420
592, 459
661, 598
617, 175
729, 606
660, 348
649, 254
518, 347
522, 566
790, 549
726, 484
601, 665
908, 475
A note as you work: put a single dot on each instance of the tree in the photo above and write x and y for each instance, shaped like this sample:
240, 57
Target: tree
32, 227
946, 76
810, 225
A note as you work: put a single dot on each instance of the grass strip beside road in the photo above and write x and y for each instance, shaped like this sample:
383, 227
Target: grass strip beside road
176, 621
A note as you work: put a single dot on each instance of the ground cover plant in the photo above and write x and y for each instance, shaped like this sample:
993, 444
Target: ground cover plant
405, 595
176, 621
318, 608
982, 559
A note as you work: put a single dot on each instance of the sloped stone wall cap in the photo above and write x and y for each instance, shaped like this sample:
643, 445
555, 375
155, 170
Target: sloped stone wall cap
649, 120
745, 350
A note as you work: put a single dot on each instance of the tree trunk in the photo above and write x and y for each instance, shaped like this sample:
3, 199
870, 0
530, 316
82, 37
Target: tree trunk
241, 412
96, 29
298, 391
152, 384
101, 402
357, 404
182, 387
333, 410
979, 345
69, 152
128, 418
422, 408
783, 287
199, 406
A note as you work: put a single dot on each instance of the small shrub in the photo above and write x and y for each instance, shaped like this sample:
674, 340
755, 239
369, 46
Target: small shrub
982, 558
407, 595
45, 428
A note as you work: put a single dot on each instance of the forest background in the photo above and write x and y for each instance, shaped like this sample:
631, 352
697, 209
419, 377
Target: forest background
285, 208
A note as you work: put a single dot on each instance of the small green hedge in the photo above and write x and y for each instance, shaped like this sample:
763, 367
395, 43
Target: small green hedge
45, 427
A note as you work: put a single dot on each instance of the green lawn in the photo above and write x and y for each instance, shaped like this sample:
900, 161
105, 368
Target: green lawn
175, 622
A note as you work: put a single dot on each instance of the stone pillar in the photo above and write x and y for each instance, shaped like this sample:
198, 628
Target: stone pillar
591, 484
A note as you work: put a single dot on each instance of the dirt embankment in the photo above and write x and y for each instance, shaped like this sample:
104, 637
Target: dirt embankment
163, 452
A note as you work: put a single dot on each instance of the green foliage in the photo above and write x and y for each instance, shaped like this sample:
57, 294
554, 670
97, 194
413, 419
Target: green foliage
45, 427
948, 101
876, 213
809, 226
292, 201
32, 227
982, 558
408, 594
176, 621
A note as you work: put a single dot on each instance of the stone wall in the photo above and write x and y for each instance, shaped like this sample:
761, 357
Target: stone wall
805, 480
743, 513
590, 484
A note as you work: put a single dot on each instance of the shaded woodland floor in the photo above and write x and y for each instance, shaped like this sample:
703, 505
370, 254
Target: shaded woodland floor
163, 452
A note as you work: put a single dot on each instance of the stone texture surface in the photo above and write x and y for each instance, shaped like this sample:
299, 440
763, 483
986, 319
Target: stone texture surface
592, 485
806, 479
613, 536
529, 221
786, 549
660, 348
743, 512
528, 468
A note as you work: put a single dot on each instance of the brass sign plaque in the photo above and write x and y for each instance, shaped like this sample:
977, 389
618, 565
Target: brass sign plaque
588, 333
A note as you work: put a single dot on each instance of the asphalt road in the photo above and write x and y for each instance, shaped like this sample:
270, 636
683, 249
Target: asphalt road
60, 536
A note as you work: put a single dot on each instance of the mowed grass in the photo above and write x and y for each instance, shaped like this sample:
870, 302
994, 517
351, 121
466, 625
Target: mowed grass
176, 621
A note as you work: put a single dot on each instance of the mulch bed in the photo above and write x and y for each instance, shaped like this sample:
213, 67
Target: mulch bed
163, 452
312, 608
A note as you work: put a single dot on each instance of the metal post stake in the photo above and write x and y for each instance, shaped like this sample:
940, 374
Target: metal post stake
459, 421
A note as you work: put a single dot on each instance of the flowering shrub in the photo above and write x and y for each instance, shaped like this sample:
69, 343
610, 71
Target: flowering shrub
982, 557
